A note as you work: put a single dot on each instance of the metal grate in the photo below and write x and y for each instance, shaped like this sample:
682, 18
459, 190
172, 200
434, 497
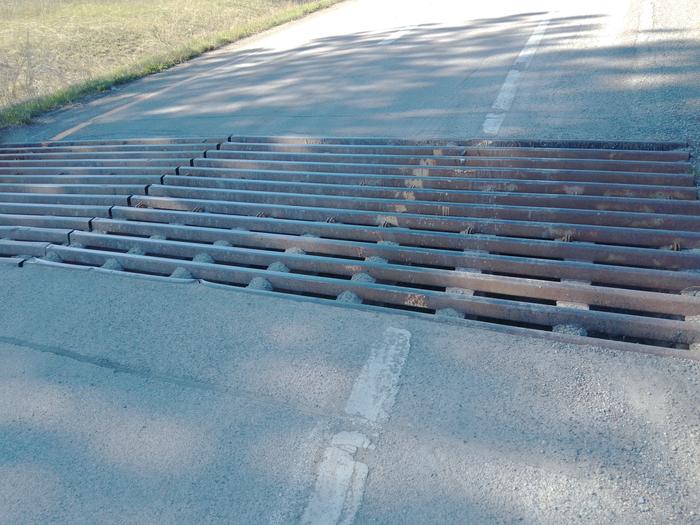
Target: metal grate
584, 238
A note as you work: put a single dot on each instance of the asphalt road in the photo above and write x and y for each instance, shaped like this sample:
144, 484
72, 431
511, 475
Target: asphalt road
133, 400
623, 69
130, 400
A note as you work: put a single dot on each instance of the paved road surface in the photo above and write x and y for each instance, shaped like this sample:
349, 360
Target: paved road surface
223, 407
126, 400
623, 69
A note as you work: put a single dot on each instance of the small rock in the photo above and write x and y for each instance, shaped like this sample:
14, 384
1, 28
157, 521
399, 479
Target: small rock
181, 273
349, 297
260, 283
277, 266
203, 258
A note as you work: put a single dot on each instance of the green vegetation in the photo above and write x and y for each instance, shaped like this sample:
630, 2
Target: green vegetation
53, 52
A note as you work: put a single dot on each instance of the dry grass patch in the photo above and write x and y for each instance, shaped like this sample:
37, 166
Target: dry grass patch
55, 51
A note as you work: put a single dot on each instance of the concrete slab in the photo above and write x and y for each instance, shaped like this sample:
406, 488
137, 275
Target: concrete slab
223, 406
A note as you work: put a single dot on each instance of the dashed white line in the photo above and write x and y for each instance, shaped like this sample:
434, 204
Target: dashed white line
301, 475
646, 17
506, 95
613, 30
532, 45
493, 123
646, 24
375, 388
340, 481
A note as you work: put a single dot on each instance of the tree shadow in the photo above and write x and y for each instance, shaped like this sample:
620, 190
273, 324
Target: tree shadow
432, 81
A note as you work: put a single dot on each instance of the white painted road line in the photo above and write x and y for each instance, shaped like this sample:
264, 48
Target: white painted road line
375, 389
340, 482
646, 18
493, 123
613, 31
301, 475
646, 24
531, 46
506, 95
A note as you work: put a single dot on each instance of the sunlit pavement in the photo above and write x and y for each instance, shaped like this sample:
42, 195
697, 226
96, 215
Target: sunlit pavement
129, 400
626, 69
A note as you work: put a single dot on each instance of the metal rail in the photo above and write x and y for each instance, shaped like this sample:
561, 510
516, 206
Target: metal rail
598, 237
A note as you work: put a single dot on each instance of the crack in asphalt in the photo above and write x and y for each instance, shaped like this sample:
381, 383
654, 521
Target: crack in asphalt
263, 398
110, 364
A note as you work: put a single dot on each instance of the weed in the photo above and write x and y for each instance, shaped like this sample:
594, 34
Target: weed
54, 52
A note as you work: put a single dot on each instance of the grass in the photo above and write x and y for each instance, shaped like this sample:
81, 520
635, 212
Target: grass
53, 52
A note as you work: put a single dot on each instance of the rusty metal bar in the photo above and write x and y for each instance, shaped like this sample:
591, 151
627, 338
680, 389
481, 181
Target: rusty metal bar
82, 189
29, 233
86, 170
666, 190
94, 163
482, 143
573, 153
104, 181
556, 291
344, 148
228, 152
65, 210
62, 199
428, 208
10, 248
683, 207
428, 257
623, 177
44, 221
71, 157
510, 228
606, 254
107, 148
534, 314
114, 142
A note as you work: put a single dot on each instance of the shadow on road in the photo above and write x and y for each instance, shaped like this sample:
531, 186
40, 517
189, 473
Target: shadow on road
432, 81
